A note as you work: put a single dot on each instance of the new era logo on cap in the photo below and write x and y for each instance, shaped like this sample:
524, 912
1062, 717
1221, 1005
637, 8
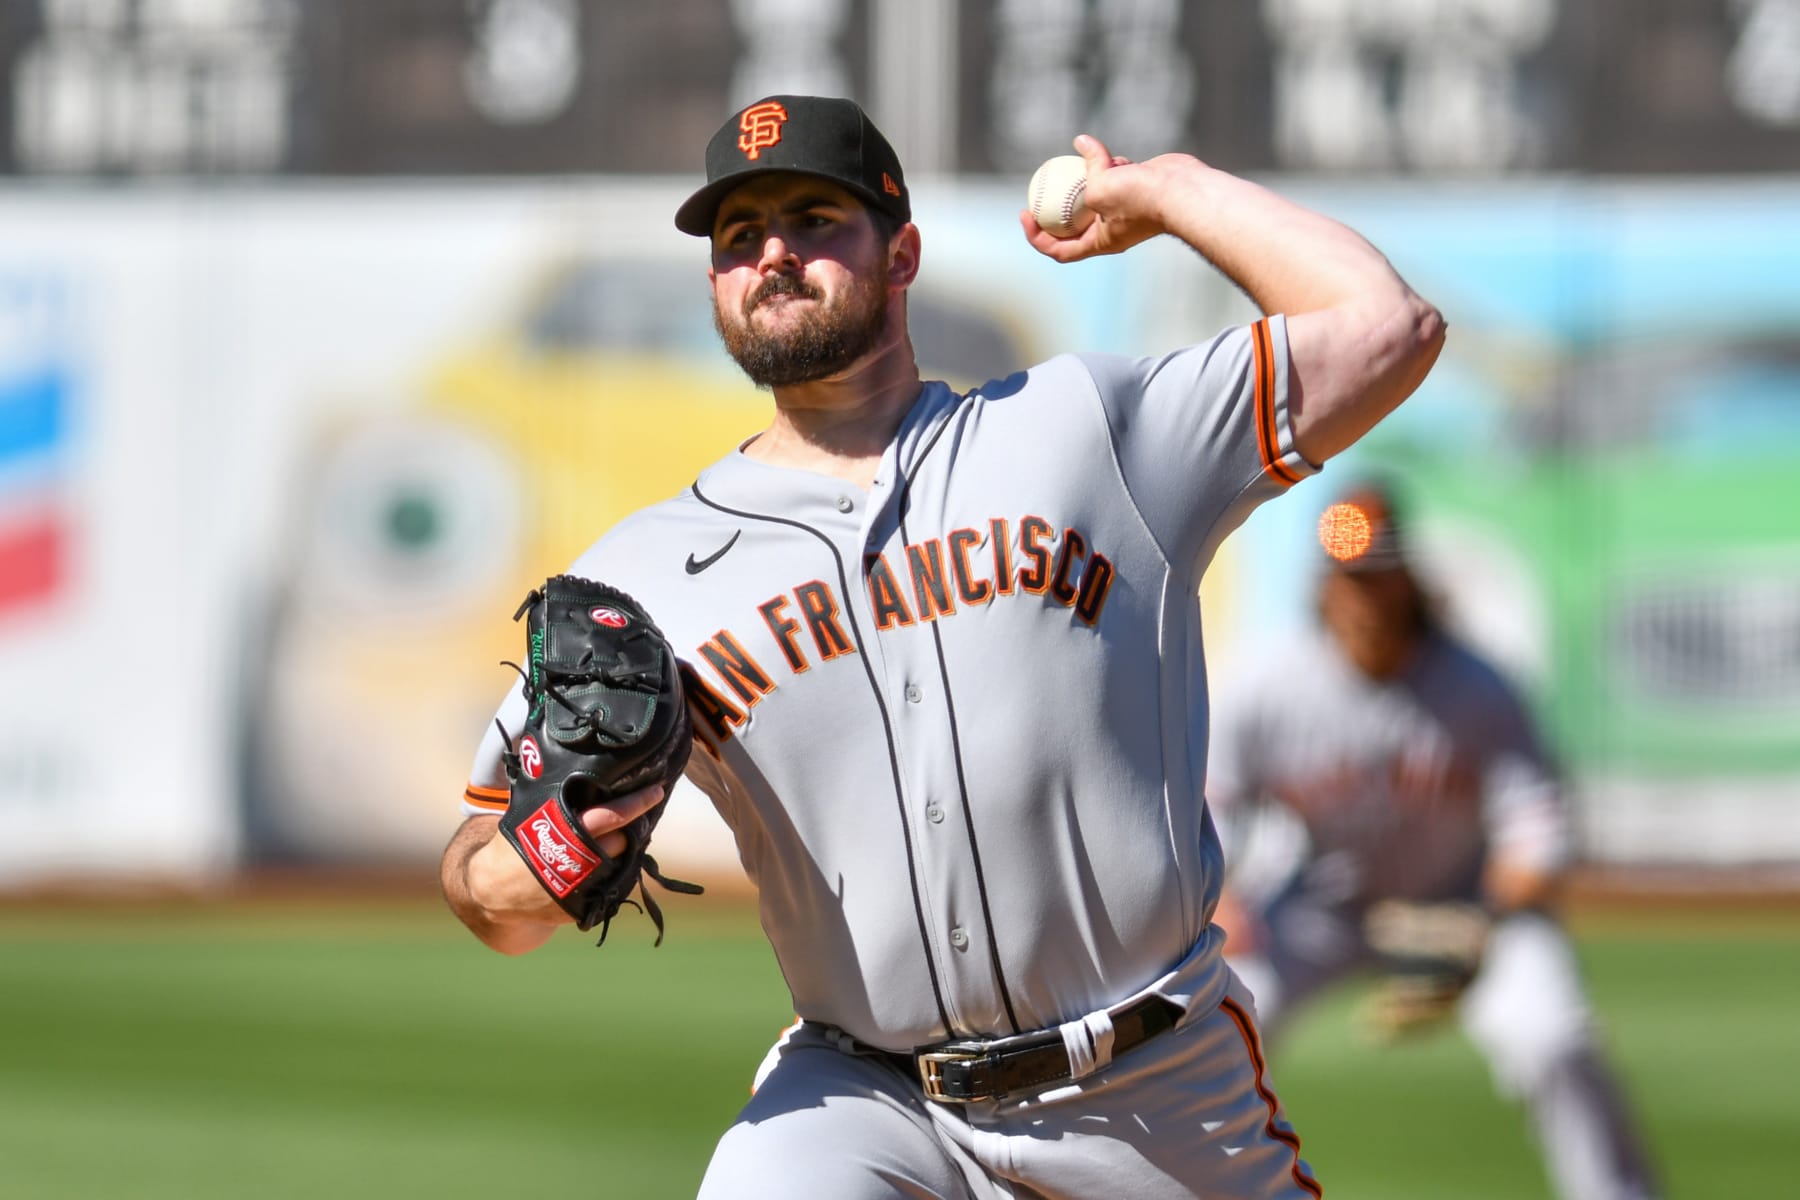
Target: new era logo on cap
822, 136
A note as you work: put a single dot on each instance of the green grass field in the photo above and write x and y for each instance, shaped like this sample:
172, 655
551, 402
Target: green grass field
314, 1050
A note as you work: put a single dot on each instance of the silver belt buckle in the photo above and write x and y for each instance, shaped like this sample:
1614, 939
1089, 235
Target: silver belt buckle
931, 1074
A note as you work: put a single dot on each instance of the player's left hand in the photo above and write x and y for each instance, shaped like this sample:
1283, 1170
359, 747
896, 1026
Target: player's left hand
501, 882
1122, 196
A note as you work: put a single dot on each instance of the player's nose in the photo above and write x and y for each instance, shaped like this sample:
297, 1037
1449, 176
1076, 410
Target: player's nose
776, 255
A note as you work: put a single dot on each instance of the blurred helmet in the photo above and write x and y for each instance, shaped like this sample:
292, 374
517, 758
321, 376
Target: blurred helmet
1363, 530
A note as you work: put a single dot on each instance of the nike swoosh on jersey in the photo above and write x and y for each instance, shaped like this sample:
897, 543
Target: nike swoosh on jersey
695, 566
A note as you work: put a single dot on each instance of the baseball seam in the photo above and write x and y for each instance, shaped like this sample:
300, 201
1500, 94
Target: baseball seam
1071, 202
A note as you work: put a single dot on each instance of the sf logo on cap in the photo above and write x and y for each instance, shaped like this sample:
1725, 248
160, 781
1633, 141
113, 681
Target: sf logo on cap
761, 126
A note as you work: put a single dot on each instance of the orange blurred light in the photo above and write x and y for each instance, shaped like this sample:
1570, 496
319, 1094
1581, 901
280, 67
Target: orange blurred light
1346, 532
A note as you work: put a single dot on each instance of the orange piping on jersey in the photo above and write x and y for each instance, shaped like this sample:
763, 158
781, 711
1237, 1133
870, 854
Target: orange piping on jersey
1267, 441
492, 799
1286, 1137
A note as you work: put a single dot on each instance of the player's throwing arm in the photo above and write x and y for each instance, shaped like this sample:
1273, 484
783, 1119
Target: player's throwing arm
1359, 339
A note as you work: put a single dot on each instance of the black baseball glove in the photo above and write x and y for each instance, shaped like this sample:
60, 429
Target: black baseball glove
1428, 955
607, 718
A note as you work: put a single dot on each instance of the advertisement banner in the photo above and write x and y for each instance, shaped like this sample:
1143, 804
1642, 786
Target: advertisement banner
278, 463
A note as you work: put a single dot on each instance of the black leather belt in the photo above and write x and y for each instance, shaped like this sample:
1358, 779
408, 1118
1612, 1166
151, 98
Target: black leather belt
968, 1070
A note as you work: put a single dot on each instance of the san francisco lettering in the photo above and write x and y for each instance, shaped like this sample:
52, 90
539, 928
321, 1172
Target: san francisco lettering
921, 581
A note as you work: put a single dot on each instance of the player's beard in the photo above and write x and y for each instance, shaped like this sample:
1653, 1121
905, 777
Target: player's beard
823, 342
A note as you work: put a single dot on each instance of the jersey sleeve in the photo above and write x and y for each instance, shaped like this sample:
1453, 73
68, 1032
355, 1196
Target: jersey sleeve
487, 792
1204, 434
1524, 808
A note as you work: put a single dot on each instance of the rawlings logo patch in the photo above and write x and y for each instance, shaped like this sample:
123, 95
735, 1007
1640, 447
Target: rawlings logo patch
556, 854
612, 618
531, 758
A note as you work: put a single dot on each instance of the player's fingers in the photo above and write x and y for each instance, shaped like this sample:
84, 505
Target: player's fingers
603, 819
1061, 249
1034, 233
1097, 156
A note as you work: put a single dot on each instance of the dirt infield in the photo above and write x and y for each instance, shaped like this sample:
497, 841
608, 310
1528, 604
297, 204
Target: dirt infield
291, 885
1613, 889
1602, 892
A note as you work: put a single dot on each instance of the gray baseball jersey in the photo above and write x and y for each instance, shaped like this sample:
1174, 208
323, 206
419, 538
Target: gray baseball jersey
957, 723
1406, 784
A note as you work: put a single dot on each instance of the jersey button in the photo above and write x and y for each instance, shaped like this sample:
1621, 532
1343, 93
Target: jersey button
959, 938
913, 694
845, 504
934, 814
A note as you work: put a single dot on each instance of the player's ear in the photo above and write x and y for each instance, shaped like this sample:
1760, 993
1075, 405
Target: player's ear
903, 256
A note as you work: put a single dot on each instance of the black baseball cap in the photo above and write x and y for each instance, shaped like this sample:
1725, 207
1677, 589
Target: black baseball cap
811, 135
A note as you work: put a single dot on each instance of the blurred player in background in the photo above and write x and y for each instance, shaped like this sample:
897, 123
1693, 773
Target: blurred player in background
1387, 806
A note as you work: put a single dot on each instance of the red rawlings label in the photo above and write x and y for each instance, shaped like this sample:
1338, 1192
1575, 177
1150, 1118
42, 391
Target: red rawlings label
554, 851
612, 618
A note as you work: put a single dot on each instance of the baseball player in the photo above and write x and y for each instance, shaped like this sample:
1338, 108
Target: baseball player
1432, 837
943, 654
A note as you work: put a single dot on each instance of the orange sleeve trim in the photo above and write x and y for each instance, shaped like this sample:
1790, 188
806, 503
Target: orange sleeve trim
492, 799
1286, 1137
1268, 442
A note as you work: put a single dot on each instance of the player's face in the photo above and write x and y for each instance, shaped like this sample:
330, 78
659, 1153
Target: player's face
1370, 614
800, 280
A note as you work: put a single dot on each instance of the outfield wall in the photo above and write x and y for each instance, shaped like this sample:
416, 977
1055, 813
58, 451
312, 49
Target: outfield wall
268, 489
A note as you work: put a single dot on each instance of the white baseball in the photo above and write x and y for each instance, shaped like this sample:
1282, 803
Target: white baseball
1058, 196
